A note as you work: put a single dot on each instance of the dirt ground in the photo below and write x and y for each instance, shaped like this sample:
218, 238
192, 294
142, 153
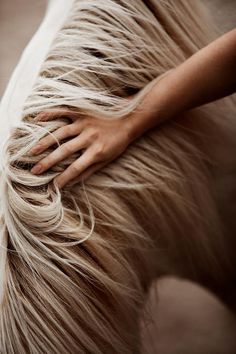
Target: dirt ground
186, 319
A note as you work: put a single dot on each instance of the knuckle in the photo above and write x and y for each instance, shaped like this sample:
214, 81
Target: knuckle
74, 169
99, 152
76, 126
41, 145
45, 163
69, 129
94, 135
44, 143
87, 122
66, 149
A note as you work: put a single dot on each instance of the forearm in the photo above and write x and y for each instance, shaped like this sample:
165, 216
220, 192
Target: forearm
208, 75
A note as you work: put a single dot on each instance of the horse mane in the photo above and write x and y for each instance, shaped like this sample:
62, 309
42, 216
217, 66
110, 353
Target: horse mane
76, 264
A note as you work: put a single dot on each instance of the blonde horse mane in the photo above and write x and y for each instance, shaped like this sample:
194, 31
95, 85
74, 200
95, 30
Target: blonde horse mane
76, 264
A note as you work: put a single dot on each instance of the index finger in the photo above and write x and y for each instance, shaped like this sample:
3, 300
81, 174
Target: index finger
53, 138
56, 113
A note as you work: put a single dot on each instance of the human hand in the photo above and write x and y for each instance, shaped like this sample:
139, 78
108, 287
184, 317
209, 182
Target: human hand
101, 140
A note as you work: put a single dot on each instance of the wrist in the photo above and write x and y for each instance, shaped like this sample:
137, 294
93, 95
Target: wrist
133, 128
153, 109
144, 118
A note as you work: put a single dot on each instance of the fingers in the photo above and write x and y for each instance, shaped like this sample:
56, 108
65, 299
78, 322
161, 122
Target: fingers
50, 139
76, 168
56, 113
88, 172
61, 153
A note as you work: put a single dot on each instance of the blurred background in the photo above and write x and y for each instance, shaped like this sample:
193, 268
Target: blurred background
186, 319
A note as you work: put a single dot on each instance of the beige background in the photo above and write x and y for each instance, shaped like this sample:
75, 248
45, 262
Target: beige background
188, 320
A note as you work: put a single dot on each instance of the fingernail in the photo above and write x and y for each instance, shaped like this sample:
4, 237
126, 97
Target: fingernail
37, 169
40, 116
35, 149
